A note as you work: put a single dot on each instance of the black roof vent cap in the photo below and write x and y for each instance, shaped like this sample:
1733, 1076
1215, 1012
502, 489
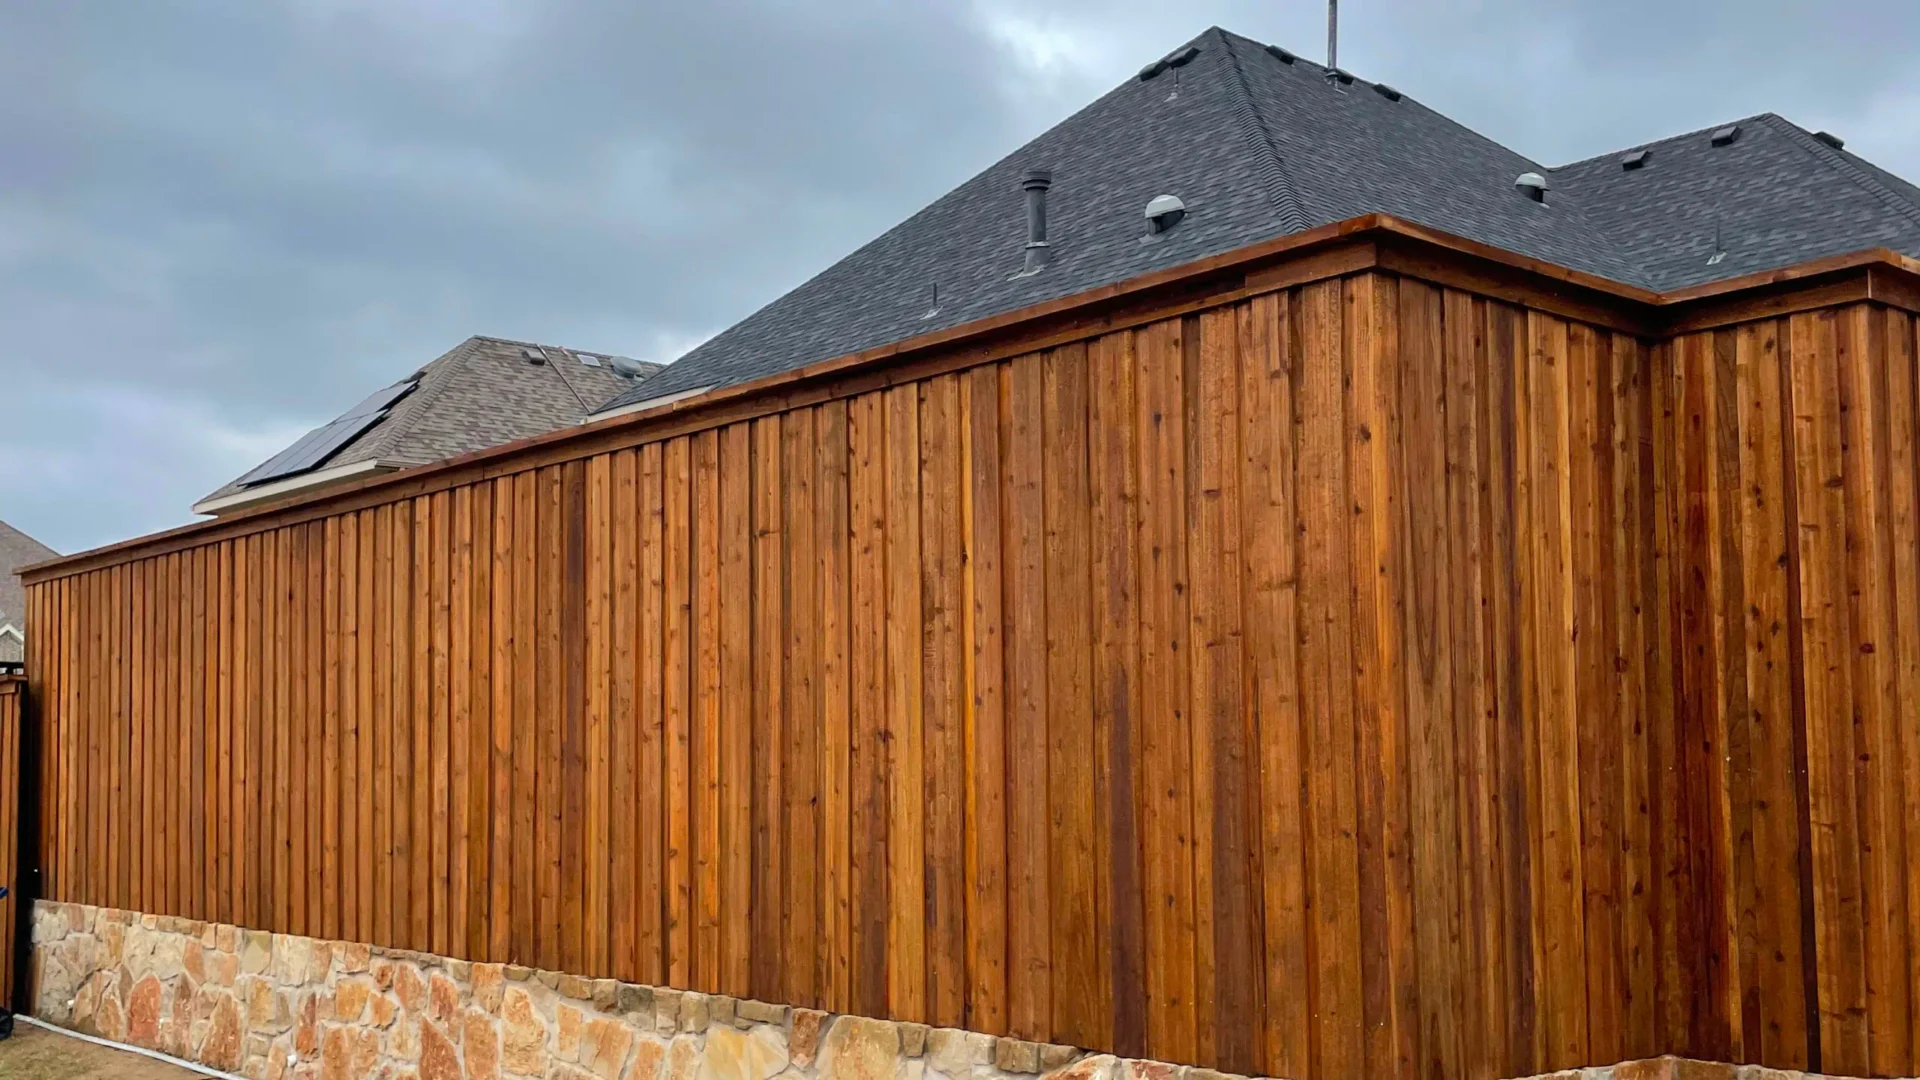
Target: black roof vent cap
1280, 54
1180, 59
1635, 159
1386, 91
534, 356
1345, 77
1831, 139
1726, 135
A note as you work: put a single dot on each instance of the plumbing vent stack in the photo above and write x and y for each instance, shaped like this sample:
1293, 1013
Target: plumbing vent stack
1035, 184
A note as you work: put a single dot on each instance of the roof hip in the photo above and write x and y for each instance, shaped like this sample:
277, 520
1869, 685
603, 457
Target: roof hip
1253, 127
1842, 161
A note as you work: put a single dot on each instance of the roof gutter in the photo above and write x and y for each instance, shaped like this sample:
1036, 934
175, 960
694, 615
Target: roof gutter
254, 496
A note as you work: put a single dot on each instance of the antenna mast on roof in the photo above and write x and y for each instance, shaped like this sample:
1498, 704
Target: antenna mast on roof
1333, 37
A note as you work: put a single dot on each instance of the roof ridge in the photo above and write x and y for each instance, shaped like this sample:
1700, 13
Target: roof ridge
1253, 127
498, 340
421, 400
1754, 119
1842, 161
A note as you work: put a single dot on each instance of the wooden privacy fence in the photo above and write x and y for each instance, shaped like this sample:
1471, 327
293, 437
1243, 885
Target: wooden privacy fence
13, 694
1357, 678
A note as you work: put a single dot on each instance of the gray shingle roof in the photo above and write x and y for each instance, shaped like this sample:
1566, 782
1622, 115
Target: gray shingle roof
481, 393
1257, 148
17, 549
1776, 196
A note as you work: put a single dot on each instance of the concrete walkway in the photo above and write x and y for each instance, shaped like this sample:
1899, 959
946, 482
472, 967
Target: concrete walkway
34, 1054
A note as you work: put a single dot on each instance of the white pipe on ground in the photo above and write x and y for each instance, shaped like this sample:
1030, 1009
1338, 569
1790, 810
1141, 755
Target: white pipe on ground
156, 1055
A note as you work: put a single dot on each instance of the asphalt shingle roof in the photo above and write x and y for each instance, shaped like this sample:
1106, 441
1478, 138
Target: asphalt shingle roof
1258, 146
481, 393
17, 549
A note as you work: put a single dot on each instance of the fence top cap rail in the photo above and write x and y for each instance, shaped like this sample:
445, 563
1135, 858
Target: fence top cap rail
1650, 309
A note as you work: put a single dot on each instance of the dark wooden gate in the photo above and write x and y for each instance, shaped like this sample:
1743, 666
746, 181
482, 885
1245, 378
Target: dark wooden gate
13, 709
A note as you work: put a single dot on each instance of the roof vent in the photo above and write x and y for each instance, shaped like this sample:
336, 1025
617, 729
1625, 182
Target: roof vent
1035, 183
534, 356
1386, 91
1343, 77
1180, 59
1163, 213
1280, 54
1726, 135
626, 367
1831, 139
1532, 185
588, 359
1635, 159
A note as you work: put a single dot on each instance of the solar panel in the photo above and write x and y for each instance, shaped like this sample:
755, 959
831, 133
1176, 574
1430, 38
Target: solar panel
381, 399
313, 449
316, 446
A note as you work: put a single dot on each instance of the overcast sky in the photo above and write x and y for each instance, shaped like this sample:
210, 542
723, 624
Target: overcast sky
222, 223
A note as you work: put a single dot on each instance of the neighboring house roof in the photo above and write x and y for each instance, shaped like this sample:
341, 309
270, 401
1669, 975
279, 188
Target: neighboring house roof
13, 640
1259, 144
17, 549
483, 392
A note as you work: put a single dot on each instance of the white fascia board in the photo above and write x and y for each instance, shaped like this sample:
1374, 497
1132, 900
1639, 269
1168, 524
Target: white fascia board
646, 403
254, 496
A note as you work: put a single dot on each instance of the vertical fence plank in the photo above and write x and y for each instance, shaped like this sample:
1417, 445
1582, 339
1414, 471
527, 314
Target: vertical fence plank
1079, 999
867, 812
985, 761
800, 665
1167, 795
767, 720
831, 531
1029, 934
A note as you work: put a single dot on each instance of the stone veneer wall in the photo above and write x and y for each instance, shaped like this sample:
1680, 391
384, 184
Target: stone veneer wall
274, 1007
278, 1007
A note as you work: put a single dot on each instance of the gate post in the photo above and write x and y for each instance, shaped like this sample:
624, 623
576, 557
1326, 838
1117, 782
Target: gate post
19, 841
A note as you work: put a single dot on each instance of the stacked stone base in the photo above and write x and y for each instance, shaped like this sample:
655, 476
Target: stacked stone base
275, 1006
279, 1007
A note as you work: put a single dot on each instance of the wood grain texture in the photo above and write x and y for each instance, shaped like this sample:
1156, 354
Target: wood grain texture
1364, 677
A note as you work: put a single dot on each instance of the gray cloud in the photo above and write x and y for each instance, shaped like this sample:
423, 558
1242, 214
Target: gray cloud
220, 223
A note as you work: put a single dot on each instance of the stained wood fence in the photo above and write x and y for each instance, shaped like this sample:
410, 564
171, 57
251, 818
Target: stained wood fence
1360, 678
12, 722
